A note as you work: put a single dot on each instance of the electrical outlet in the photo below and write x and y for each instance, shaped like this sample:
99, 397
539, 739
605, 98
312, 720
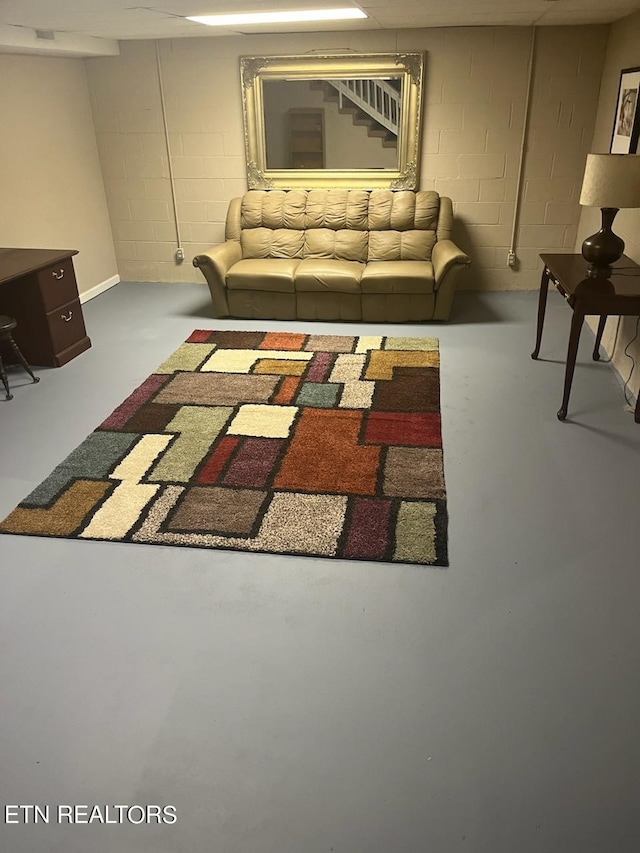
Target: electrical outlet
179, 254
511, 259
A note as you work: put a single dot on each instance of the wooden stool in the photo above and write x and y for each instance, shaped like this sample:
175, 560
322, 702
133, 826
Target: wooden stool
7, 325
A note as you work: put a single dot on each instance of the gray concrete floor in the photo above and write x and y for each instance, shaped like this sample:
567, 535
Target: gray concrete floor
288, 705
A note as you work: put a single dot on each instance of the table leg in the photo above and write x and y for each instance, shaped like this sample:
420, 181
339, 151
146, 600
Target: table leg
542, 304
574, 339
601, 324
5, 381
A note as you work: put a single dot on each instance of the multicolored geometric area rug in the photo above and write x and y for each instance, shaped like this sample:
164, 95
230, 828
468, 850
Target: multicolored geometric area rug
277, 442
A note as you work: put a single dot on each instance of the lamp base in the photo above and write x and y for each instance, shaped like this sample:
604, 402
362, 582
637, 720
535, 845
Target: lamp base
603, 249
595, 271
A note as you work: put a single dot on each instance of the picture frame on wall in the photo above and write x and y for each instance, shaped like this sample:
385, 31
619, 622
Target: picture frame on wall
626, 124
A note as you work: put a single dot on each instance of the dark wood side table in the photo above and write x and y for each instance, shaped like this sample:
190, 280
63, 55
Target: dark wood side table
618, 295
38, 287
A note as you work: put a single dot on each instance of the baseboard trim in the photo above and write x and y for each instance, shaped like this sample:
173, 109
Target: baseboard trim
108, 283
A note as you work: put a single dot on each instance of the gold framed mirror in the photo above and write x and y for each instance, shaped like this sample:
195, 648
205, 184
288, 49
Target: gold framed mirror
332, 120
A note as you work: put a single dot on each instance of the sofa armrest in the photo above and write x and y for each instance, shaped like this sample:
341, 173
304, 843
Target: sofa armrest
215, 264
444, 257
220, 259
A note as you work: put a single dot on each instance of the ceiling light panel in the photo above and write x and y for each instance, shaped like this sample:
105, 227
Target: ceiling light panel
284, 17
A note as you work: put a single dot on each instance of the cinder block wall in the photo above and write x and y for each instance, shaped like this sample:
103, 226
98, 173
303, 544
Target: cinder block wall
476, 81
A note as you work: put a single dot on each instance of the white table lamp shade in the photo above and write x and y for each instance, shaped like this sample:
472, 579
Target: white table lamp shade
611, 180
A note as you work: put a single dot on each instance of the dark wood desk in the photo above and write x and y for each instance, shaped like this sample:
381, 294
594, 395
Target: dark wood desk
38, 287
618, 296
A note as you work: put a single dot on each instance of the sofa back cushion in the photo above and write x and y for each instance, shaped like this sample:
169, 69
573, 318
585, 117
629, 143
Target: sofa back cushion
402, 225
403, 211
338, 209
350, 225
401, 245
344, 245
272, 243
274, 209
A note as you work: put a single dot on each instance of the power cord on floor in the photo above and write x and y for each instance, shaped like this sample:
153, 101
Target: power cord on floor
629, 405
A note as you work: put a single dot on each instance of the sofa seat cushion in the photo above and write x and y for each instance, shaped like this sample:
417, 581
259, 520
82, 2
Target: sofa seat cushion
398, 277
327, 274
273, 274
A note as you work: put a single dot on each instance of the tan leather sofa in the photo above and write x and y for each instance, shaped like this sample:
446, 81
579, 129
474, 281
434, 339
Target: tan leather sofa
335, 255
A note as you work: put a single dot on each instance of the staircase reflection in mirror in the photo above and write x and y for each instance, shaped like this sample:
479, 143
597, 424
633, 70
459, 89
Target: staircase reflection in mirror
352, 123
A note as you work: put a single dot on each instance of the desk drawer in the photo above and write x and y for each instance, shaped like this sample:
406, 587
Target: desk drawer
66, 326
57, 284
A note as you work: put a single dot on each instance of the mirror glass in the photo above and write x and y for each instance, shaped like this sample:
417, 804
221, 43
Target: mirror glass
320, 121
332, 124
